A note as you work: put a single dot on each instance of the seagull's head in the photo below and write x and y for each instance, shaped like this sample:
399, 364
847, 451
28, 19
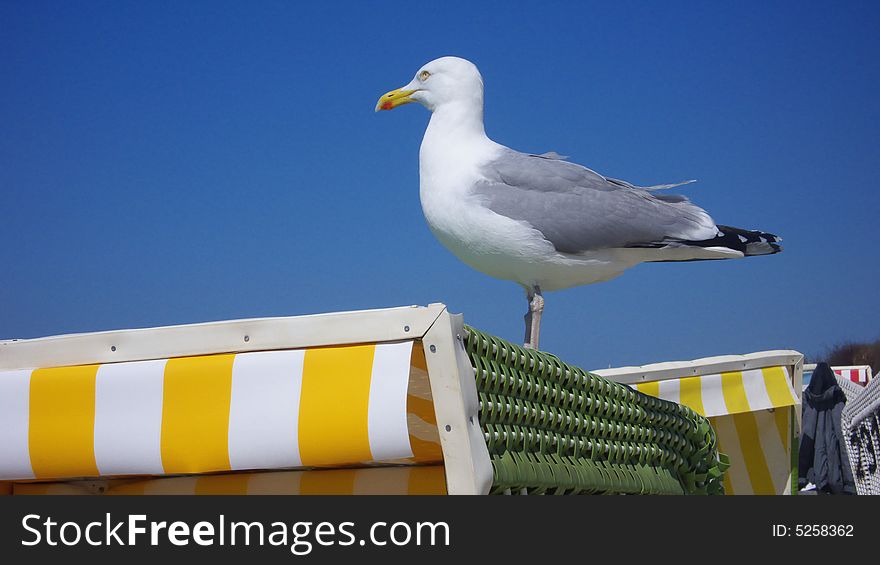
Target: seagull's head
443, 81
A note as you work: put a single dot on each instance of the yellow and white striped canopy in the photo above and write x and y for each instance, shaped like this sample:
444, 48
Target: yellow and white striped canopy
753, 416
727, 393
320, 407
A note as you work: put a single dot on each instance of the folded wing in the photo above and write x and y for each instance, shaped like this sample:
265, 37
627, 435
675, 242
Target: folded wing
579, 210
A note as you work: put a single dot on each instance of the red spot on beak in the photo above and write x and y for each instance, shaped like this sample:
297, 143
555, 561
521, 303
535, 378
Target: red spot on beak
386, 105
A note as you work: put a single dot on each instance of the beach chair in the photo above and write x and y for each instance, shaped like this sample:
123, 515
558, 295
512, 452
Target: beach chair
753, 403
860, 423
393, 401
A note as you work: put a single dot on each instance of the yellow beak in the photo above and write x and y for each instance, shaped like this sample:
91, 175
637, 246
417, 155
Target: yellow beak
393, 99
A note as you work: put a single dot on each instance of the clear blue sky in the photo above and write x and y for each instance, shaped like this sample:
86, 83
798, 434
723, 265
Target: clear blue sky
174, 162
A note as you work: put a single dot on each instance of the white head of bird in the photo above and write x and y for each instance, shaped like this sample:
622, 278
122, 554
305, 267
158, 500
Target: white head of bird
443, 84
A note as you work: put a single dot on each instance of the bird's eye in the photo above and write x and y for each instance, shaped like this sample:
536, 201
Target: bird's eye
423, 76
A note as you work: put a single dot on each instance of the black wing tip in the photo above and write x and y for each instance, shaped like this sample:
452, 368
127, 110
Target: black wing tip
749, 242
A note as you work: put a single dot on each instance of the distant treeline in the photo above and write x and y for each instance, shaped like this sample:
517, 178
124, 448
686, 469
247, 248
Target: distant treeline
851, 353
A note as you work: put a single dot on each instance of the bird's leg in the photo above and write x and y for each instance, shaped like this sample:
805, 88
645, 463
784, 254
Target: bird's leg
533, 317
536, 304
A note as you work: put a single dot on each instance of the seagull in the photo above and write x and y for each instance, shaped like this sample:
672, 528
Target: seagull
540, 220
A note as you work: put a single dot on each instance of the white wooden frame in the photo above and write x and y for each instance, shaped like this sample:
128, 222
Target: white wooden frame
709, 366
465, 455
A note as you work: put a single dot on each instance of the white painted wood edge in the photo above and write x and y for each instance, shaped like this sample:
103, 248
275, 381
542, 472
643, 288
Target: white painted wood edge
228, 336
704, 366
465, 454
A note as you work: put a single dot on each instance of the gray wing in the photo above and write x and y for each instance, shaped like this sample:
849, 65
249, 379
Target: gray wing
577, 209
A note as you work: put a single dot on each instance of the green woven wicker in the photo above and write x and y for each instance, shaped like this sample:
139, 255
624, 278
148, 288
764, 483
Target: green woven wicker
556, 429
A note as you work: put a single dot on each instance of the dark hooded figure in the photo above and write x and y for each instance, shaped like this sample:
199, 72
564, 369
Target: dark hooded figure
822, 459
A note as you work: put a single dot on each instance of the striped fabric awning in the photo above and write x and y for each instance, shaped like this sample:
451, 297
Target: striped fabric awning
727, 393
320, 407
857, 374
758, 442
